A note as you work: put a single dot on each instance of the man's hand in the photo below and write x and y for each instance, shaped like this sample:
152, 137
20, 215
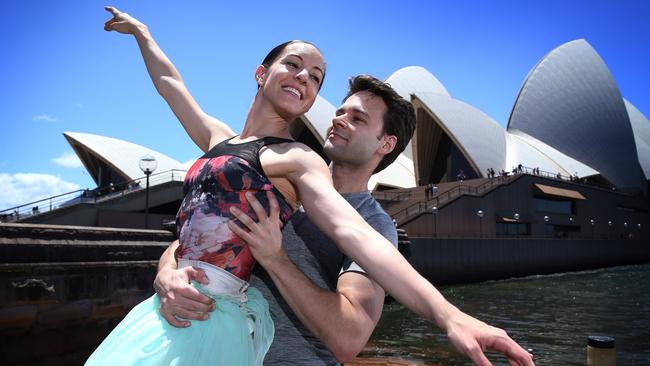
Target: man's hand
263, 237
471, 337
180, 301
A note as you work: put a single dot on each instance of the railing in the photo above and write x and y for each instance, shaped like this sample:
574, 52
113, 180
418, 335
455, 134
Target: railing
557, 176
99, 194
446, 196
391, 195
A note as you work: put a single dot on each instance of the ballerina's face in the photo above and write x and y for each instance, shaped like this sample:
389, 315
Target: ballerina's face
292, 81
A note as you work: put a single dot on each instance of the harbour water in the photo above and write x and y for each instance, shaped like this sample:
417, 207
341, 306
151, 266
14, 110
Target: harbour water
551, 316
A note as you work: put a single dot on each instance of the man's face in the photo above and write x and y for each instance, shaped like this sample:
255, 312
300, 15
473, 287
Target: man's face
356, 131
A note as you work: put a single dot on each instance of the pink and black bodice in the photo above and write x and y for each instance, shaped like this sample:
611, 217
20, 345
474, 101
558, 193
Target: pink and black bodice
214, 183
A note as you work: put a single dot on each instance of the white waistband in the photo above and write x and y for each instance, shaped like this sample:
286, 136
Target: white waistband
221, 282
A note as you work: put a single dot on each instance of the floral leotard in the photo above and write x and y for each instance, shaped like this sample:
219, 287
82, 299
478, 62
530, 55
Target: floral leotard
214, 183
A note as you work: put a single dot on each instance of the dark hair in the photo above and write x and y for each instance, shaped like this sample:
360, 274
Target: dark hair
277, 50
399, 119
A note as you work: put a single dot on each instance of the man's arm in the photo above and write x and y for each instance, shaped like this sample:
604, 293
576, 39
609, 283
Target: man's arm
177, 297
342, 320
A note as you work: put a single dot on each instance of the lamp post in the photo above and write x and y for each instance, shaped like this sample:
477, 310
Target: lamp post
592, 223
625, 229
147, 164
434, 211
609, 229
479, 213
546, 220
516, 217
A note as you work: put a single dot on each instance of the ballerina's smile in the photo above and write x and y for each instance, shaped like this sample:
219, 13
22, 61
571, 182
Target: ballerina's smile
293, 91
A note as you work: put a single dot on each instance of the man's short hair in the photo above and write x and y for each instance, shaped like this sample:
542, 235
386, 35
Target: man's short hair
399, 119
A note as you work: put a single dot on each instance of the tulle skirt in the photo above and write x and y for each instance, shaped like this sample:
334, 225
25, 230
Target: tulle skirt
238, 332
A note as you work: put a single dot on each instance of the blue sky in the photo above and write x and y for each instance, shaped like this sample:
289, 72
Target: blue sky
61, 71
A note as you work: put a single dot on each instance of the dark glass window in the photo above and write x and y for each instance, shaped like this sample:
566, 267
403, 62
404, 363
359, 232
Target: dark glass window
561, 231
557, 206
512, 228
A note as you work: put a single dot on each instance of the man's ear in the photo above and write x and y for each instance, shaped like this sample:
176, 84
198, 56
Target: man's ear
259, 75
388, 144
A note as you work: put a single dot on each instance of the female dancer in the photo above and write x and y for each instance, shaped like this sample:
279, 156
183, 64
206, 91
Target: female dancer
288, 81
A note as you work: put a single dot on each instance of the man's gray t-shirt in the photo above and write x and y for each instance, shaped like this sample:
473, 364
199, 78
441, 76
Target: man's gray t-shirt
321, 261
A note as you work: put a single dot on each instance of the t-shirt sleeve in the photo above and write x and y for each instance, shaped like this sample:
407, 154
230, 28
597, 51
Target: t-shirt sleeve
383, 224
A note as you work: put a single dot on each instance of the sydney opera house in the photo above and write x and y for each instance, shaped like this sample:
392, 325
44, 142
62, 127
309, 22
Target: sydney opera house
572, 162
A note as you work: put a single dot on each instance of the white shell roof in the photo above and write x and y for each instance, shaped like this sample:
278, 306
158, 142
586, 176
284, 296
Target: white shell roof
641, 128
479, 137
415, 79
399, 174
319, 117
571, 102
121, 155
412, 80
187, 165
532, 153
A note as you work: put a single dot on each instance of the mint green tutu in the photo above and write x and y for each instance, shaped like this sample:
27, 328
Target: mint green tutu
144, 337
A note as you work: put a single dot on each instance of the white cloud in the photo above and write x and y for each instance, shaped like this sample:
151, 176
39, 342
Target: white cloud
21, 188
187, 165
45, 117
68, 160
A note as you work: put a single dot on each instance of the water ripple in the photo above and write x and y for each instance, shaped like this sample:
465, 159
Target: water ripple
552, 315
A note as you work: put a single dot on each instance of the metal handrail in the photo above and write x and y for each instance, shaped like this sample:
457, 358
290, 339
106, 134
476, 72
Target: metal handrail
420, 206
79, 196
424, 206
558, 176
392, 196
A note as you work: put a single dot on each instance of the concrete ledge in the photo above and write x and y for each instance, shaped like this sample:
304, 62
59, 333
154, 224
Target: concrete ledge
61, 234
